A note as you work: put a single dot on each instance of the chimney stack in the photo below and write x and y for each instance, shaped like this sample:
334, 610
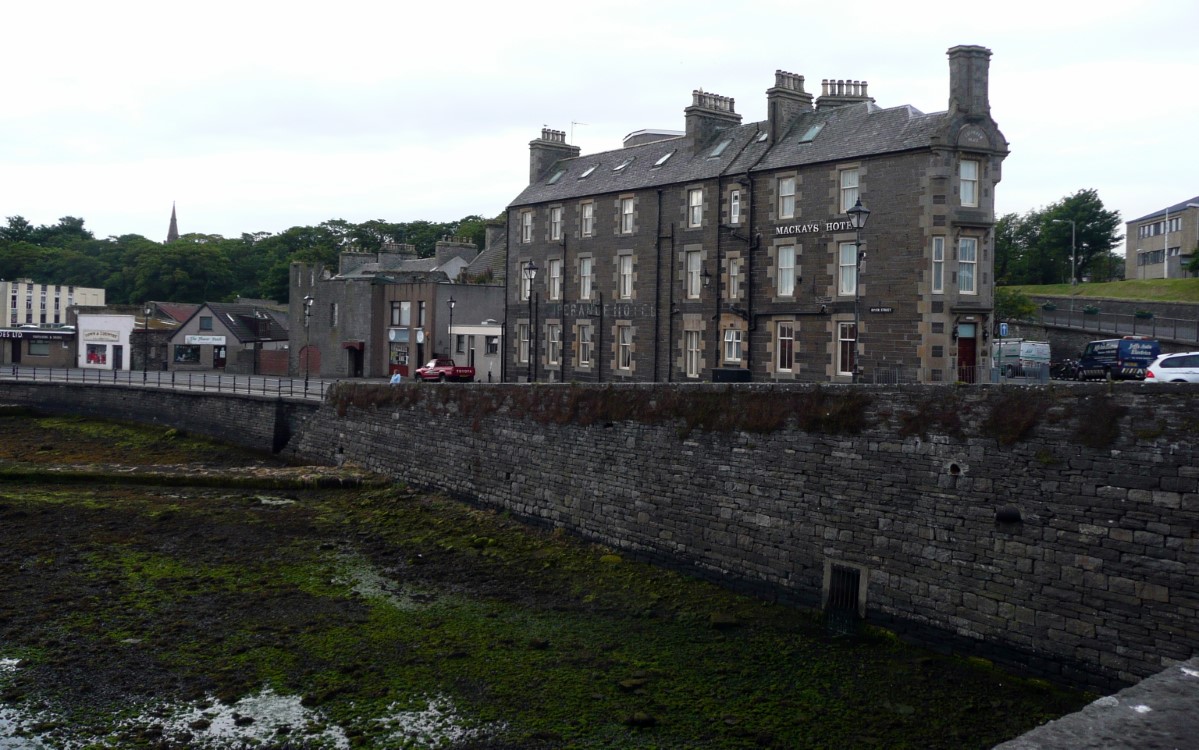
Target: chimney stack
838, 93
708, 115
969, 67
783, 102
547, 150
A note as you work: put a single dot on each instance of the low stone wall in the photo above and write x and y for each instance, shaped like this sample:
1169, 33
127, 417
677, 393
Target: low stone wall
257, 423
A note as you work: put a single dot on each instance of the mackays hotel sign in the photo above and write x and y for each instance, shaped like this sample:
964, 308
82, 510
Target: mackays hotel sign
815, 227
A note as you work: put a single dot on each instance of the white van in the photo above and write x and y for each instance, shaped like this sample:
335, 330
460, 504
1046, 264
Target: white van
1015, 357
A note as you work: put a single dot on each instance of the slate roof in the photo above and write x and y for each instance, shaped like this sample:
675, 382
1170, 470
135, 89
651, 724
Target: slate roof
426, 266
1175, 210
850, 131
242, 321
494, 259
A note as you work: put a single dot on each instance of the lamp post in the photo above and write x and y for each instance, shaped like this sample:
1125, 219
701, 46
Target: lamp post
530, 273
857, 219
145, 340
1073, 272
1193, 205
450, 334
308, 300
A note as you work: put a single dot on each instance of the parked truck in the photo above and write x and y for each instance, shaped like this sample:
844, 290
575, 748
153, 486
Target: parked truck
1117, 359
1016, 357
442, 369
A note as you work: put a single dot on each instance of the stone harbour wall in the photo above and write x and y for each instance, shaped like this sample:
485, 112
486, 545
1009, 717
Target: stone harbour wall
1067, 549
1054, 529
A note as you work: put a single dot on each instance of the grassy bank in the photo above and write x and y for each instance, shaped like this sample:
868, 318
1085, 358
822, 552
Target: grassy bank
1151, 290
160, 616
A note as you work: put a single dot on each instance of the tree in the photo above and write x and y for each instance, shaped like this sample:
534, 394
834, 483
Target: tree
1095, 232
1036, 248
1013, 305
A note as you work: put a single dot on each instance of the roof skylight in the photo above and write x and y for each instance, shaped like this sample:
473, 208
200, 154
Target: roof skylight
720, 147
811, 133
763, 136
557, 176
623, 164
587, 172
664, 159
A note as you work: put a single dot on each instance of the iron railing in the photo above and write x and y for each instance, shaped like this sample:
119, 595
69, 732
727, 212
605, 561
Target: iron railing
1123, 324
282, 387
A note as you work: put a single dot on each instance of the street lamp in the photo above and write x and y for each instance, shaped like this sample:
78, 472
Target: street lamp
1193, 205
530, 273
308, 300
1073, 273
145, 339
451, 303
857, 219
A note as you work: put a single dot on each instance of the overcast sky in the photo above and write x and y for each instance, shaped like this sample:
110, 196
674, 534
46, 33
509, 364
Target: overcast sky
259, 116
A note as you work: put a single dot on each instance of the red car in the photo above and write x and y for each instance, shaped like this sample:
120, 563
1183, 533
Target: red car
445, 369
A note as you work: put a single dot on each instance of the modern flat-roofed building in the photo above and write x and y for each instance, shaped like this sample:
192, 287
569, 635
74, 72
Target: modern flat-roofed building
28, 303
1161, 244
726, 250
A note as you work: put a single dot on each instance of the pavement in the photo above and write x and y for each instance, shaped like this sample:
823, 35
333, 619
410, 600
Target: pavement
1159, 713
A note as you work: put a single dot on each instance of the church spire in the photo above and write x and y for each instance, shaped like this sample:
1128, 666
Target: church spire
173, 232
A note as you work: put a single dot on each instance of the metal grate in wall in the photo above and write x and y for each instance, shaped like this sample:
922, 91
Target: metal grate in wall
841, 607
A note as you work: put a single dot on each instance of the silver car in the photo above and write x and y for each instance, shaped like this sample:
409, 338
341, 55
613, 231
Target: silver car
1178, 367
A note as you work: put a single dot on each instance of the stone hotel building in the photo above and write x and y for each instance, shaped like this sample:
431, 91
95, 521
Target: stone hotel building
726, 251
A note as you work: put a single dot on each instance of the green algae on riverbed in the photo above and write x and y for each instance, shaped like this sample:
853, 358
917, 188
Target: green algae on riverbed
390, 618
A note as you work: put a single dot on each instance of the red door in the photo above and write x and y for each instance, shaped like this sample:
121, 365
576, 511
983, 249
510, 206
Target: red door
967, 357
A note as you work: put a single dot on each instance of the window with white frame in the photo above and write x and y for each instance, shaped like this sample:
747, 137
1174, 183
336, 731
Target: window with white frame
586, 276
588, 221
732, 345
522, 339
626, 215
967, 265
938, 274
625, 276
692, 278
849, 189
526, 226
553, 348
526, 284
785, 346
735, 207
847, 269
584, 345
786, 271
968, 172
555, 274
624, 347
556, 223
695, 207
847, 340
492, 344
734, 278
691, 353
786, 198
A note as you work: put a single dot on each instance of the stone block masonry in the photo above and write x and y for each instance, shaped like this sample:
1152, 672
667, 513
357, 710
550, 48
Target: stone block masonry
987, 517
1054, 529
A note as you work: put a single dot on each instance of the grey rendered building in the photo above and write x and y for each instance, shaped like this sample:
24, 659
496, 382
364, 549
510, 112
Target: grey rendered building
725, 251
